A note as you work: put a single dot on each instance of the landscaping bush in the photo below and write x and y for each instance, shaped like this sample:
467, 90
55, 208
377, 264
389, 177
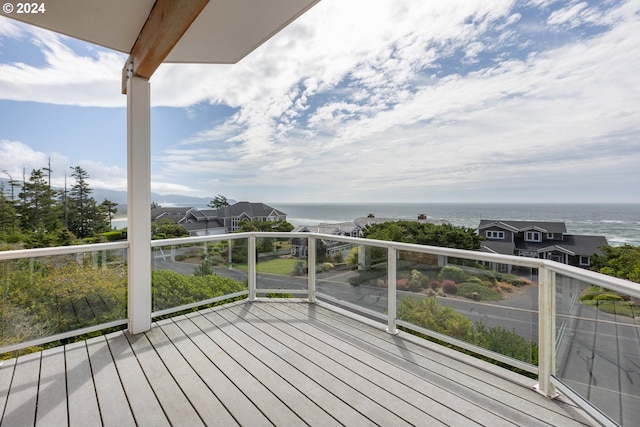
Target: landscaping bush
477, 292
326, 266
433, 284
451, 272
607, 297
113, 235
449, 287
515, 280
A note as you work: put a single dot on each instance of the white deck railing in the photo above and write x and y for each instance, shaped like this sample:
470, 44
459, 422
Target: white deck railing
550, 317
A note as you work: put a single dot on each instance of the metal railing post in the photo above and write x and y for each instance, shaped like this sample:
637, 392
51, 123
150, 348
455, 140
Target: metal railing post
311, 265
546, 332
392, 254
252, 260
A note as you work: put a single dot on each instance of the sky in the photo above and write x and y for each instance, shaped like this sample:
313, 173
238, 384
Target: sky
356, 101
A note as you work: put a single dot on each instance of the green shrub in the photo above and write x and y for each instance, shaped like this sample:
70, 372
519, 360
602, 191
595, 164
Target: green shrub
326, 266
171, 289
608, 297
478, 292
113, 235
451, 272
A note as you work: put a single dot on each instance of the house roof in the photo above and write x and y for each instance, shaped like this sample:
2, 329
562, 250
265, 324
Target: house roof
253, 210
329, 228
497, 247
516, 226
572, 244
173, 213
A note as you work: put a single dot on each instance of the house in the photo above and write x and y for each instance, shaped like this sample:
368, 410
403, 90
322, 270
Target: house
203, 222
173, 214
539, 239
299, 247
351, 229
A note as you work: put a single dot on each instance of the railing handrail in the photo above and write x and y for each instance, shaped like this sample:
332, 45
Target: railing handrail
599, 279
61, 250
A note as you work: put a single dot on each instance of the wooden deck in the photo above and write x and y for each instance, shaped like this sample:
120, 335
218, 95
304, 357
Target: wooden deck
270, 362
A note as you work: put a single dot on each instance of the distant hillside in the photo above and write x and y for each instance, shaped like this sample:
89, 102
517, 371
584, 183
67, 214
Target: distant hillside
120, 197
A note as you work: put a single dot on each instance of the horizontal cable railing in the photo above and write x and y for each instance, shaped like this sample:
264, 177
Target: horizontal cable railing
522, 312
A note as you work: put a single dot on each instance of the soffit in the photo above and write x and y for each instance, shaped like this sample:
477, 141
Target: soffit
224, 32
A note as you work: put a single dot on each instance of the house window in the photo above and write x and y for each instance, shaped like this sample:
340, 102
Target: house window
533, 236
495, 234
551, 236
584, 260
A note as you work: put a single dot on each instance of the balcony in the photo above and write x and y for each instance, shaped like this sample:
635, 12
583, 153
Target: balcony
345, 349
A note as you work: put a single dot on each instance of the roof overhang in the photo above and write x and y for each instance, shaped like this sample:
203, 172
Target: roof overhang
183, 31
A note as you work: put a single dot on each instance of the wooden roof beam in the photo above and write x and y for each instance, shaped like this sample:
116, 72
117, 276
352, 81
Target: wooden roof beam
165, 26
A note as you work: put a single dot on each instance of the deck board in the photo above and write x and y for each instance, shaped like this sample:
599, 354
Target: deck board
481, 388
271, 362
81, 394
114, 406
52, 407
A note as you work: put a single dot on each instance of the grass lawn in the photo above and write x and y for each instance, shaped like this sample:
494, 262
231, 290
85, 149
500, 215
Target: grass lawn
282, 266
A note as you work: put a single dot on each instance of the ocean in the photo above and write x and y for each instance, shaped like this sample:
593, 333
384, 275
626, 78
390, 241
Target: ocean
619, 223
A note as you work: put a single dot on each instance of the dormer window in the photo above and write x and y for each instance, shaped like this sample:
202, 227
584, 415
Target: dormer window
533, 236
495, 234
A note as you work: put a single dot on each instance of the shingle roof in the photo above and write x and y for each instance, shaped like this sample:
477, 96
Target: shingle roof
497, 247
544, 226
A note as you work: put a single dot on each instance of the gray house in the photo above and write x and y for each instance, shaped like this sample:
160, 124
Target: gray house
539, 239
203, 222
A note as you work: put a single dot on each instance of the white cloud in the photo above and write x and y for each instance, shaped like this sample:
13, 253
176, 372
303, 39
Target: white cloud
339, 107
67, 78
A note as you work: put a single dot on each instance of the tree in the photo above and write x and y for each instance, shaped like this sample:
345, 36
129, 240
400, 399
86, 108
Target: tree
219, 201
85, 216
109, 209
620, 261
426, 233
38, 208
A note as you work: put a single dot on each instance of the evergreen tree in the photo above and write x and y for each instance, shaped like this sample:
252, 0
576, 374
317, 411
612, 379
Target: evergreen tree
219, 201
108, 209
84, 216
38, 208
8, 215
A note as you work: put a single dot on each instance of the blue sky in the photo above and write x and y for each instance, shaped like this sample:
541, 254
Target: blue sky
358, 101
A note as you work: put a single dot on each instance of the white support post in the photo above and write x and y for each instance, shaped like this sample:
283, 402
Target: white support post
311, 264
546, 332
392, 254
252, 259
138, 203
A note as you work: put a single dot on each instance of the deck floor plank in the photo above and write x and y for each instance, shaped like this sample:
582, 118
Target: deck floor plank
7, 368
298, 402
175, 404
266, 363
22, 397
268, 403
81, 393
297, 377
429, 400
112, 399
353, 390
492, 387
205, 402
143, 402
476, 406
52, 389
243, 410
